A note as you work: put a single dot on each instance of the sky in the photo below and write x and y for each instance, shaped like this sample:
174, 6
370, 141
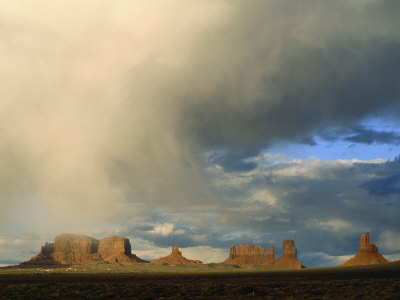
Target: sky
201, 123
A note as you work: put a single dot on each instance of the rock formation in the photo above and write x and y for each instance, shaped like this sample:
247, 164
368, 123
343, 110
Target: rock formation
368, 254
75, 248
246, 255
289, 258
255, 255
270, 251
175, 258
79, 249
117, 250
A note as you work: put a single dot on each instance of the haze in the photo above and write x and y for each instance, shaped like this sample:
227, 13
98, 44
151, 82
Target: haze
201, 123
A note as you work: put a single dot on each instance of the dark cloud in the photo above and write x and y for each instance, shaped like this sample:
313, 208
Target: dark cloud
384, 186
321, 205
285, 71
363, 135
232, 160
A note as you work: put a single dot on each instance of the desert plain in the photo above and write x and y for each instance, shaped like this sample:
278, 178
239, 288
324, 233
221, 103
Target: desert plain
207, 281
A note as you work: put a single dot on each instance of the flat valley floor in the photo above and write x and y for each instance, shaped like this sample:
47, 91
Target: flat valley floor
212, 281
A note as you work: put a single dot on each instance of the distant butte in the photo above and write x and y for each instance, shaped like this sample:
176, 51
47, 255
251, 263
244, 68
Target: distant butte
175, 258
368, 254
255, 255
70, 249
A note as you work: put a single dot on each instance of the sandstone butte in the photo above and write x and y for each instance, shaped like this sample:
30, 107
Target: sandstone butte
70, 249
368, 254
255, 255
175, 258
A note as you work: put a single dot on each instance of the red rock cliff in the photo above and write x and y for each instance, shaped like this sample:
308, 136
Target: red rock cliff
117, 250
246, 255
270, 251
255, 255
289, 258
75, 248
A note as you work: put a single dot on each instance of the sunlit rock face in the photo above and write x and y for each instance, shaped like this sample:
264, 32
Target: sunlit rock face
175, 258
368, 254
289, 258
80, 249
270, 253
117, 250
75, 248
256, 255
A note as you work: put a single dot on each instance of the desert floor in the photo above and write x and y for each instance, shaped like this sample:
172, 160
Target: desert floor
211, 281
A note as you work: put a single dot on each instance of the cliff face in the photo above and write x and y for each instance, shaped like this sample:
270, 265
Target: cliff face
75, 248
117, 250
255, 255
175, 258
246, 255
289, 258
79, 249
368, 254
270, 251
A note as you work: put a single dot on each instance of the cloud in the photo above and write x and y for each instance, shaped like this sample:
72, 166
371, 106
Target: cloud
362, 135
293, 77
369, 136
325, 213
389, 241
205, 254
319, 259
113, 113
15, 248
384, 186
114, 105
166, 229
322, 207
265, 196
335, 224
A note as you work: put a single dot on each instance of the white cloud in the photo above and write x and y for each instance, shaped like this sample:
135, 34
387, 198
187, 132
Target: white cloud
265, 196
166, 229
163, 229
334, 224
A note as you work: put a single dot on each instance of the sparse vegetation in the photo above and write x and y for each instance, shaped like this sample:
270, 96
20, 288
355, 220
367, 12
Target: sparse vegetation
213, 281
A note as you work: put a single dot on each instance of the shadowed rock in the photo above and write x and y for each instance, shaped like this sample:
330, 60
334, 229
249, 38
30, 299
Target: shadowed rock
175, 258
368, 254
246, 255
80, 249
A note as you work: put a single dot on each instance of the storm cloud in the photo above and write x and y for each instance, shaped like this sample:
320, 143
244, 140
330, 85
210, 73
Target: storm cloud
114, 113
